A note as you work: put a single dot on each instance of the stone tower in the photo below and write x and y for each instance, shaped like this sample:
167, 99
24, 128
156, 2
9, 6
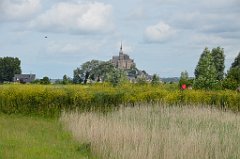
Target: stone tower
122, 61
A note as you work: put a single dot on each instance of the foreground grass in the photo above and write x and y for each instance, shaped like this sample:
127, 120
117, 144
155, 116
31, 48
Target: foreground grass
36, 138
158, 132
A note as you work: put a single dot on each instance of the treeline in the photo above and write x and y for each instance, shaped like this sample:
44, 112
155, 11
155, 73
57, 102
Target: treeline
209, 72
104, 71
9, 66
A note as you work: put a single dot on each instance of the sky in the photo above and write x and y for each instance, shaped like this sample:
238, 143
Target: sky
164, 37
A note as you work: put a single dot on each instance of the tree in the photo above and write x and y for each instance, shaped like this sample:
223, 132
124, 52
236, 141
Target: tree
103, 69
218, 59
82, 73
94, 70
36, 81
205, 72
141, 80
117, 77
90, 68
77, 76
45, 80
232, 80
236, 62
66, 80
234, 72
9, 66
155, 79
184, 79
202, 63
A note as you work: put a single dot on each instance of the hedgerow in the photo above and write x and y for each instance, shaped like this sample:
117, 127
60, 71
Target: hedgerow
50, 100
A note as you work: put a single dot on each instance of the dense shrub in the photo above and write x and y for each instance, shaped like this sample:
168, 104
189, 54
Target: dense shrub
230, 83
50, 100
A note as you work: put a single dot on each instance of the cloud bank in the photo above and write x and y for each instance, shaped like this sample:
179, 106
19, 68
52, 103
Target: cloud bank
18, 10
90, 17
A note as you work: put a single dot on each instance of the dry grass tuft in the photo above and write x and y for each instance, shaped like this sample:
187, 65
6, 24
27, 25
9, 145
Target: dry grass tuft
153, 132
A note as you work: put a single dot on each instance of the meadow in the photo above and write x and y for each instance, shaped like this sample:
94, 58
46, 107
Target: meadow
24, 137
127, 121
159, 131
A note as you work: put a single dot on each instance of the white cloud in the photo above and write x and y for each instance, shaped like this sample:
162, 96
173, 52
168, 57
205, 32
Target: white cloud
76, 17
158, 33
18, 9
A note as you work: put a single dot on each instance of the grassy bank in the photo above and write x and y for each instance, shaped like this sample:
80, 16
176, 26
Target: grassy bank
52, 99
149, 132
32, 137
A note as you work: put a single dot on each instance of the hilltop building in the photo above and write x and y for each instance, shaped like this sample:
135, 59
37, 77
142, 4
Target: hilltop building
122, 61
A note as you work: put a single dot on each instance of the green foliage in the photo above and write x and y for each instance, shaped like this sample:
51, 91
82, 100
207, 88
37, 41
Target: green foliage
205, 72
141, 80
155, 80
50, 100
202, 63
117, 77
9, 66
236, 62
36, 81
207, 83
232, 80
45, 80
218, 59
103, 70
230, 83
94, 70
66, 80
184, 79
234, 73
77, 76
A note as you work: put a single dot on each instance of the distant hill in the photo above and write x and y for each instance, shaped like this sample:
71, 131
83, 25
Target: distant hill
170, 79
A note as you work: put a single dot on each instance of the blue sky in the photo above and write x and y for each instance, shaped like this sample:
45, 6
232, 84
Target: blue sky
162, 36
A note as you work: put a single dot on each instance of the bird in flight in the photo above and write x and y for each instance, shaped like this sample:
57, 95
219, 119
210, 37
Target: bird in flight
46, 37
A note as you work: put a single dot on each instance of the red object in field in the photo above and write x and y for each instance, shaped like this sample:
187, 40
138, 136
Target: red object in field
184, 86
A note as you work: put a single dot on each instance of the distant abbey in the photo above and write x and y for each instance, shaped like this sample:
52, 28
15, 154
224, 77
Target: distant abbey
122, 61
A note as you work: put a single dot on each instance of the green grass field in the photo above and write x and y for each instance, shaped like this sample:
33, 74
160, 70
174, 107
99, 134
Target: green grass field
37, 138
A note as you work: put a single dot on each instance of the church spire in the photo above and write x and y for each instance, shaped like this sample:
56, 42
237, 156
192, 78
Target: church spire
121, 51
121, 46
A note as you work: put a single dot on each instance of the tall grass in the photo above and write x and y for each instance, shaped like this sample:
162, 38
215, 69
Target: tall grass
153, 132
